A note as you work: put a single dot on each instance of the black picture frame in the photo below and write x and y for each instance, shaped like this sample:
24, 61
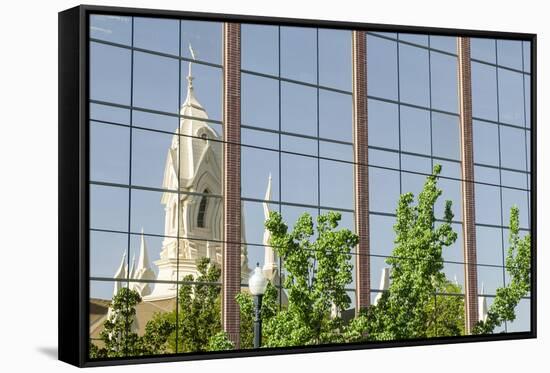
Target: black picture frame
73, 273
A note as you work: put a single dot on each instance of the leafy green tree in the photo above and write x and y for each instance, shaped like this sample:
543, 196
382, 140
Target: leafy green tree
119, 340
518, 264
246, 305
406, 310
316, 274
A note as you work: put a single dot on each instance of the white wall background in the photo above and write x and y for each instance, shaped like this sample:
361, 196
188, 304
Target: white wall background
28, 186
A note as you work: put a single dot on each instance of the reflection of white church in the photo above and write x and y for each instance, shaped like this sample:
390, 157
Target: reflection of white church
197, 217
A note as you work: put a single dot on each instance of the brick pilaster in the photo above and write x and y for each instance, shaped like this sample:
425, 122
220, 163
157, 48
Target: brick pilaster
232, 180
361, 170
468, 190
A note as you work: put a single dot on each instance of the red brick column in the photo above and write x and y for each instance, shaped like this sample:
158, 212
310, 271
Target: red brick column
468, 190
232, 180
361, 170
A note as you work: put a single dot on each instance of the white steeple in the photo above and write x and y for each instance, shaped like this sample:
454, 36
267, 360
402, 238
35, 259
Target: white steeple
121, 274
143, 270
384, 283
270, 265
133, 267
482, 305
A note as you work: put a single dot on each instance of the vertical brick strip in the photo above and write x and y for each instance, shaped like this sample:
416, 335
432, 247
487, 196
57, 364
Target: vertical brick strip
468, 197
361, 170
232, 179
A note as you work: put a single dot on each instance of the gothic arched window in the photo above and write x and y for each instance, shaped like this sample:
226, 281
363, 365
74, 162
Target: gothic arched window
202, 210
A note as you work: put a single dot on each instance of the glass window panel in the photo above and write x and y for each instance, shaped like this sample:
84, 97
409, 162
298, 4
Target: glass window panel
336, 180
518, 198
335, 115
483, 49
335, 59
109, 114
528, 146
487, 204
514, 179
148, 212
260, 101
377, 265
116, 29
154, 246
416, 164
444, 95
489, 245
487, 175
299, 179
443, 43
381, 234
110, 73
256, 166
299, 54
455, 273
260, 48
150, 156
527, 98
254, 219
414, 38
156, 82
336, 151
109, 153
512, 148
509, 53
381, 67
106, 250
383, 158
452, 191
414, 75
510, 97
346, 222
160, 35
415, 130
527, 56
108, 208
383, 119
292, 213
484, 91
207, 84
101, 293
522, 323
486, 147
454, 253
411, 183
449, 169
490, 279
298, 109
205, 38
259, 138
168, 123
384, 190
446, 136
299, 145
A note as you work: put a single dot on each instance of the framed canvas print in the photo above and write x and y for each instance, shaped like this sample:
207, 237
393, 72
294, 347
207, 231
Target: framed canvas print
234, 186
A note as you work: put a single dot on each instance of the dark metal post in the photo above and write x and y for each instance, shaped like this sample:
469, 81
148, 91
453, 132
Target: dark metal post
257, 321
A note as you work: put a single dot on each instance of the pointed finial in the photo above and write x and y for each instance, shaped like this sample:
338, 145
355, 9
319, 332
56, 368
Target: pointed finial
189, 73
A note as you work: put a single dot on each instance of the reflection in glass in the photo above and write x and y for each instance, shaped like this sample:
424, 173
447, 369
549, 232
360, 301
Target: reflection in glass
299, 179
383, 119
156, 34
415, 130
484, 91
115, 29
259, 101
335, 59
299, 54
381, 67
110, 73
298, 109
414, 75
205, 38
109, 153
108, 208
260, 48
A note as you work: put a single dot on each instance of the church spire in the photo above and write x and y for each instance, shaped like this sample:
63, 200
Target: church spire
482, 305
121, 274
143, 270
270, 265
384, 283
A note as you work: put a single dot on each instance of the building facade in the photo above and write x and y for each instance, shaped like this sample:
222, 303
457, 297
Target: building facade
199, 129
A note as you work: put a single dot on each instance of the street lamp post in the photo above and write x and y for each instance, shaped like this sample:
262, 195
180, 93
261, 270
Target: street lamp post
257, 285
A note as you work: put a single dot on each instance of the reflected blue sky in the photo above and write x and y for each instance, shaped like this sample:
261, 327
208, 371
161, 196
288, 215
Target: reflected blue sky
316, 103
